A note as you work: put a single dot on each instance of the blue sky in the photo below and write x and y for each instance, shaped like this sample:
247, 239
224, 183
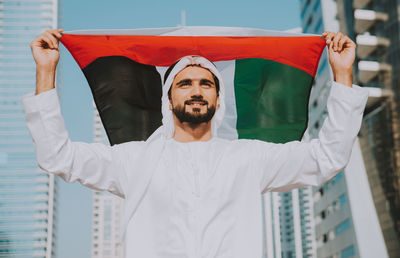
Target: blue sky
75, 201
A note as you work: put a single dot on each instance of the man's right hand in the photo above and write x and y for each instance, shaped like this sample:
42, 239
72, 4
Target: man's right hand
45, 49
46, 54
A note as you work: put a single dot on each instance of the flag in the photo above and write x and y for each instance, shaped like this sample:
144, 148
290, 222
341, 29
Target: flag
267, 75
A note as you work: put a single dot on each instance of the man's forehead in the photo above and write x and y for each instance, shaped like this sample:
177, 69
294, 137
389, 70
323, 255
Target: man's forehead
193, 60
193, 72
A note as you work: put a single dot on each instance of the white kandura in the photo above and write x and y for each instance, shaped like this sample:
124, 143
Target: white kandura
197, 199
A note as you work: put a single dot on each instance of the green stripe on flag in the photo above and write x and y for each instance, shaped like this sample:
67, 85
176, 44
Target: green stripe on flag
271, 100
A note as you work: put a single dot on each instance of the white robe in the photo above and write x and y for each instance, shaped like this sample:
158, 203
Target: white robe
204, 198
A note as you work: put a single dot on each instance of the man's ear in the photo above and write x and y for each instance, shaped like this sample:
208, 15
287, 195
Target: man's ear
169, 98
218, 102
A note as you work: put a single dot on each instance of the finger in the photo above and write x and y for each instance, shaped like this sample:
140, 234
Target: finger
336, 40
350, 43
49, 41
328, 37
40, 43
36, 41
56, 33
44, 42
331, 46
50, 34
341, 43
323, 35
326, 33
53, 40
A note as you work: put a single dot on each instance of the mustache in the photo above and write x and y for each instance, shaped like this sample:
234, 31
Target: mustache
196, 99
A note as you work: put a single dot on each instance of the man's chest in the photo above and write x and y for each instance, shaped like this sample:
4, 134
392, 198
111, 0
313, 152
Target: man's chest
191, 183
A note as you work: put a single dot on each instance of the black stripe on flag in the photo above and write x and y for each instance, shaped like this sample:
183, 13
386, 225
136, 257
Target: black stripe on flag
127, 95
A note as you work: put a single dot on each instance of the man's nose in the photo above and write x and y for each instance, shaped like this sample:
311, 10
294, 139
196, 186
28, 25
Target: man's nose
196, 89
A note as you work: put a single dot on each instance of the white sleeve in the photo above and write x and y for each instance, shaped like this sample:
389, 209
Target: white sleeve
282, 167
94, 165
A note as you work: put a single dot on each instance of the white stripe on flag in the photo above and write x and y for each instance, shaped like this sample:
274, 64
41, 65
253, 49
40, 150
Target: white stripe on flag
227, 130
193, 31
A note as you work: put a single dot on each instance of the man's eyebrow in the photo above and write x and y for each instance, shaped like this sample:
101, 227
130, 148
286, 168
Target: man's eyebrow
184, 81
203, 81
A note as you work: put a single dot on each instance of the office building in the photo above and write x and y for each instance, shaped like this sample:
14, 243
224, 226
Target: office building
107, 212
346, 219
28, 196
375, 26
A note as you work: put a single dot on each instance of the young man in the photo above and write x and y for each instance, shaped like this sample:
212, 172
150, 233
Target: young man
189, 193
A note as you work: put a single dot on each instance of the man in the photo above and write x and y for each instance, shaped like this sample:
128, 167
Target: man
189, 193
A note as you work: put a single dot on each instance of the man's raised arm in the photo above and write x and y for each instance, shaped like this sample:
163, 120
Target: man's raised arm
46, 53
296, 164
95, 165
342, 52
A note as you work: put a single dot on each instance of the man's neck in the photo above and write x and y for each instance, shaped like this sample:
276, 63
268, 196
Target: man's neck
186, 132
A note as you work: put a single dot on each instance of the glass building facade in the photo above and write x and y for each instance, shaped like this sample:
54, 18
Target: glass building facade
343, 206
297, 223
107, 212
375, 26
28, 202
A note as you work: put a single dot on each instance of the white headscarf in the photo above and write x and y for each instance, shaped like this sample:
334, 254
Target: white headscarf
168, 128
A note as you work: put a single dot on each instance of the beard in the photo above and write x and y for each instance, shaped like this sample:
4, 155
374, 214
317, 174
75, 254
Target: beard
195, 117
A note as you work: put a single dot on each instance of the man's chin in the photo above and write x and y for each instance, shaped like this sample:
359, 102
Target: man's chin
196, 110
194, 116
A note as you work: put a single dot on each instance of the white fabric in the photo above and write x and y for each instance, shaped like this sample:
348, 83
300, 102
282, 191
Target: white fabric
194, 31
204, 197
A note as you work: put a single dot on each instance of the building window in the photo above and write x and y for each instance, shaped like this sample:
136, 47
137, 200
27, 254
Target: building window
342, 227
303, 11
318, 29
317, 5
309, 21
348, 252
337, 178
342, 199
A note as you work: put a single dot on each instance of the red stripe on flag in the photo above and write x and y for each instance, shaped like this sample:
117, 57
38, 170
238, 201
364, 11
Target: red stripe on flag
300, 52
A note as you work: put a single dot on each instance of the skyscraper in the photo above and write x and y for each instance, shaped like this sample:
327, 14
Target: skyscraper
28, 200
346, 220
107, 212
376, 28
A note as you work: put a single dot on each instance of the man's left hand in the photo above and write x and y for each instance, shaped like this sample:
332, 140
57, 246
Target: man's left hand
341, 56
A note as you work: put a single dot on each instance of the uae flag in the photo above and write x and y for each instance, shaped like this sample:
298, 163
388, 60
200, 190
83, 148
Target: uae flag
267, 76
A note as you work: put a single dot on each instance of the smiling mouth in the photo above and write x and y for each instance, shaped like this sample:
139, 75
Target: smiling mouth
196, 103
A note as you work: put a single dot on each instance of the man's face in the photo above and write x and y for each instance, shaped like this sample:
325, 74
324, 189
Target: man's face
194, 97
